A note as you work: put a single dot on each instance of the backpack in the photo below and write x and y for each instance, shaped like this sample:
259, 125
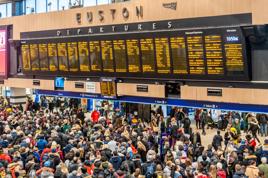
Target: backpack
149, 171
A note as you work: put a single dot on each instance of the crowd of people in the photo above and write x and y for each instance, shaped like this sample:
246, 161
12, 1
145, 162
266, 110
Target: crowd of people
44, 142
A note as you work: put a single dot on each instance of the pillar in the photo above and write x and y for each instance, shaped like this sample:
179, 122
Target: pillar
18, 96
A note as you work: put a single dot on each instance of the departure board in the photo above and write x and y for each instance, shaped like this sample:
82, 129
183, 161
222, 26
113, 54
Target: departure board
52, 56
73, 56
62, 57
107, 56
147, 53
120, 55
133, 55
25, 53
214, 56
204, 54
83, 56
95, 59
196, 55
162, 55
43, 57
34, 57
179, 57
234, 55
108, 88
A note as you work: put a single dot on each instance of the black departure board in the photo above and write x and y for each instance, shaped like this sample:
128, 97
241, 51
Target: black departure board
108, 88
43, 57
62, 57
214, 56
34, 57
179, 57
147, 53
196, 54
120, 55
52, 56
233, 49
25, 53
107, 56
83, 56
133, 55
207, 54
162, 55
73, 56
95, 59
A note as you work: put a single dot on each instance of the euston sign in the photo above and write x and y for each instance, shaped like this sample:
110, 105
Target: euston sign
101, 15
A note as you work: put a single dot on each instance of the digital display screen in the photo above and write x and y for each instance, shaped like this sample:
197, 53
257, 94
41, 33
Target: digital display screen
147, 53
162, 55
133, 55
196, 55
178, 50
34, 57
83, 56
52, 56
95, 59
211, 53
62, 57
59, 83
214, 56
43, 57
120, 55
233, 49
4, 57
108, 88
25, 53
107, 56
73, 56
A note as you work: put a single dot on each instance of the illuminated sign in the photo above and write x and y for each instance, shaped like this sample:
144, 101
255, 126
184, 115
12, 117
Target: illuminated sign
3, 52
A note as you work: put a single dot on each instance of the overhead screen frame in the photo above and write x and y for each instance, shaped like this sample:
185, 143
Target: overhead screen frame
155, 75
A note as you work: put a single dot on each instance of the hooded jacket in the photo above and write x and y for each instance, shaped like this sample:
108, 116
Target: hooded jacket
116, 162
239, 174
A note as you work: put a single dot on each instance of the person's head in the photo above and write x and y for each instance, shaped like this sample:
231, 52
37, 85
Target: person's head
263, 160
238, 167
219, 166
218, 132
158, 167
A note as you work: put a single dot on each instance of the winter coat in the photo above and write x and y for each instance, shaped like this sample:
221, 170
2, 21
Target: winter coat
239, 174
252, 171
116, 162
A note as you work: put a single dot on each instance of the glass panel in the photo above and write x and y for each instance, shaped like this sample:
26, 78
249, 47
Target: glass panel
62, 57
90, 2
9, 9
25, 54
83, 56
52, 55
52, 5
3, 10
43, 57
30, 6
73, 56
63, 4
41, 6
34, 57
100, 2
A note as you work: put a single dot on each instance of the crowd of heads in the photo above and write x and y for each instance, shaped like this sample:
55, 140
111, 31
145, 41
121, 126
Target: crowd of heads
69, 142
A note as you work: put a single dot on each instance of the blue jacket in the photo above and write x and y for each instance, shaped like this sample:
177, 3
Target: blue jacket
116, 162
41, 144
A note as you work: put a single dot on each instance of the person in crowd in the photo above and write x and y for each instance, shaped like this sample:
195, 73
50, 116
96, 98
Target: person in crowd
197, 118
217, 141
263, 119
264, 166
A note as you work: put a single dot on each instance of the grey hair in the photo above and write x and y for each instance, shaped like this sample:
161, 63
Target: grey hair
264, 160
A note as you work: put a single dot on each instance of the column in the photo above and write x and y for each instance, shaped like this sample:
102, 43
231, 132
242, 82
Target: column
17, 96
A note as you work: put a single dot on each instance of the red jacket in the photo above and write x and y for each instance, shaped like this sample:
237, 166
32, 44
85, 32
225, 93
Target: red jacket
221, 174
5, 157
